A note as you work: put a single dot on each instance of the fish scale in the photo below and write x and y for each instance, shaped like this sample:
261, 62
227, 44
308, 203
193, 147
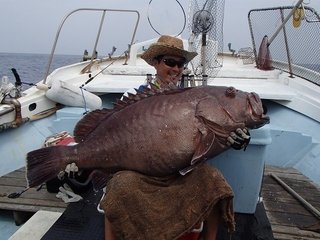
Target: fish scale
157, 111
155, 133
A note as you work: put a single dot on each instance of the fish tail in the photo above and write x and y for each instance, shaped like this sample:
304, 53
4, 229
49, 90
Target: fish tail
45, 163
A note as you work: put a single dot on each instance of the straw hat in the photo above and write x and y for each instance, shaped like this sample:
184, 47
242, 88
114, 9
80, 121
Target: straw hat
167, 45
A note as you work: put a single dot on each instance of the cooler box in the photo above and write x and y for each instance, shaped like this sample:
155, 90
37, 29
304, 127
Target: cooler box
244, 170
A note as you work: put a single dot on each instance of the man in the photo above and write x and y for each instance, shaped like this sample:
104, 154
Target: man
144, 207
168, 57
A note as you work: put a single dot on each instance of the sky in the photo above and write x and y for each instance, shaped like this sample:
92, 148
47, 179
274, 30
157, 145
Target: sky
30, 26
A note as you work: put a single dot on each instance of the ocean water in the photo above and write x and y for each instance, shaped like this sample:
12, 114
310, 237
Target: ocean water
32, 67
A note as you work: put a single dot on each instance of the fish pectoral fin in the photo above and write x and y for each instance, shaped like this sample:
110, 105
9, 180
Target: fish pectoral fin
203, 148
187, 169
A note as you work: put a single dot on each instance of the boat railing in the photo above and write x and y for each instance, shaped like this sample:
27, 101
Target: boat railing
304, 72
102, 20
295, 40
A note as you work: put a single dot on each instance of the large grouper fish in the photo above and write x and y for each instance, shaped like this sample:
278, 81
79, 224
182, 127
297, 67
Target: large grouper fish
154, 132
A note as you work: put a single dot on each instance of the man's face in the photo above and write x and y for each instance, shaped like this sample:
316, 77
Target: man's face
169, 69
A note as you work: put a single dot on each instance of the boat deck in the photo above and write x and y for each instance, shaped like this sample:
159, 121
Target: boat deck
288, 218
32, 200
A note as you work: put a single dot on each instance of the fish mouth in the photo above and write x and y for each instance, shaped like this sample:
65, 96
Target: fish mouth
264, 117
263, 120
258, 111
264, 114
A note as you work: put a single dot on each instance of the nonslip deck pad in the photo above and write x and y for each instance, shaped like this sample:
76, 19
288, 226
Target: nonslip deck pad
249, 226
81, 220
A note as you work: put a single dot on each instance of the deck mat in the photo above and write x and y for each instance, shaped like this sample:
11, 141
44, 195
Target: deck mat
249, 226
80, 220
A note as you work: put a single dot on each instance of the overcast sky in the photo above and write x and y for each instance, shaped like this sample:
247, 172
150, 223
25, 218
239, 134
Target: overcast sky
29, 26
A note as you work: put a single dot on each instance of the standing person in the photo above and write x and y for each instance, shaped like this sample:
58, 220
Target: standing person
143, 207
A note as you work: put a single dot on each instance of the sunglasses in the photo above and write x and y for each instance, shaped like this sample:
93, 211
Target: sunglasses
172, 62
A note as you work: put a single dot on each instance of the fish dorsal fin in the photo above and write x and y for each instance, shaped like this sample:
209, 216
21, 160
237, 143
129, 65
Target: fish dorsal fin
93, 119
89, 122
143, 94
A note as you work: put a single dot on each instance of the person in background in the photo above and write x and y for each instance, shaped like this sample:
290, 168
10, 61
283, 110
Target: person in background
184, 207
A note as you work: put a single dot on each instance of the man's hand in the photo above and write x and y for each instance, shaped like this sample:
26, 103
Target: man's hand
239, 139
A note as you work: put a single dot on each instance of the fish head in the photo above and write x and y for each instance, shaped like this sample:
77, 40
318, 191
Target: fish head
257, 111
244, 107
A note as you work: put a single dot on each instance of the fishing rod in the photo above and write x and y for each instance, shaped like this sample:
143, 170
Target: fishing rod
92, 77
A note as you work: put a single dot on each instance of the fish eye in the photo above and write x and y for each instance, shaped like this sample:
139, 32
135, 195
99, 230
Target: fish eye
231, 92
